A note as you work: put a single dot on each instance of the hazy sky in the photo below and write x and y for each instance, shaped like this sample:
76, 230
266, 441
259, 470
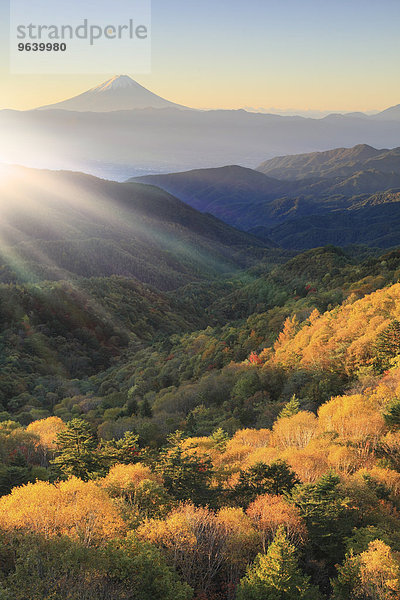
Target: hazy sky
307, 54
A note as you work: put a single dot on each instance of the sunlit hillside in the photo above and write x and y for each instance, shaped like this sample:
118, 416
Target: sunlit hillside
143, 456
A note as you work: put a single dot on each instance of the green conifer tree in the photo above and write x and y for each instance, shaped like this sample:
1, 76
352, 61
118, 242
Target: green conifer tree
276, 575
387, 346
76, 447
291, 408
276, 478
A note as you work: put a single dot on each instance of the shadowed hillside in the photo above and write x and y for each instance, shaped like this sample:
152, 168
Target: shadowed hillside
58, 225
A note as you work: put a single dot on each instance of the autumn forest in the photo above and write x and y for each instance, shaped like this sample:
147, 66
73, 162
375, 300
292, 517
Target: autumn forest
233, 437
200, 300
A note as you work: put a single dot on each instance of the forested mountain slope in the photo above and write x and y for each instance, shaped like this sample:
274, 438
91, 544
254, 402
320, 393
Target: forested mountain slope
276, 469
57, 225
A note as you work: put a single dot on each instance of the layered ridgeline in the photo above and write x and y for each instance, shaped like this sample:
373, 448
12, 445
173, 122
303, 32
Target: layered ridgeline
120, 126
343, 196
57, 225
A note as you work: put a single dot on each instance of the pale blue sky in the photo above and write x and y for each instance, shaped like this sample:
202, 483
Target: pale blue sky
307, 54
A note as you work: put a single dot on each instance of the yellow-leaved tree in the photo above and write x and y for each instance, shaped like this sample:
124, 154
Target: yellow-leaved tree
46, 430
371, 575
74, 508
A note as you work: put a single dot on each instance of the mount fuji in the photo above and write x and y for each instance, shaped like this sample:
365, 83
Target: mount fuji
118, 93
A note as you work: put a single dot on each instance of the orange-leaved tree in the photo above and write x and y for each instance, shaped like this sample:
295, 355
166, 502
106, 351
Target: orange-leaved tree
269, 512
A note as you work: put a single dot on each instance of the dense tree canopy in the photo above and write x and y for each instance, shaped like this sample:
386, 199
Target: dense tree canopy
233, 439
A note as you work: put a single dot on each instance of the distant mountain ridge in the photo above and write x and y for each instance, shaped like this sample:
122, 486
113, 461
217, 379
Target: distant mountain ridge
340, 162
219, 191
121, 92
118, 93
340, 191
313, 183
389, 114
122, 143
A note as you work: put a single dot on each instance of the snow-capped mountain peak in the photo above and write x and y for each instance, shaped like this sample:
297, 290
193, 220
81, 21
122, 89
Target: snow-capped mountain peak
120, 92
118, 82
